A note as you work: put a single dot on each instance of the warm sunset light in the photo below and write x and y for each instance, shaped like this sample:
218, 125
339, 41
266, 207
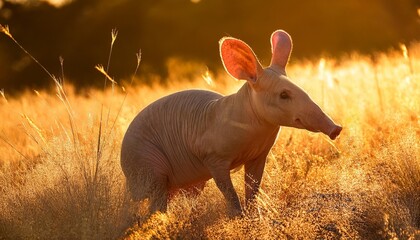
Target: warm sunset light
58, 3
209, 119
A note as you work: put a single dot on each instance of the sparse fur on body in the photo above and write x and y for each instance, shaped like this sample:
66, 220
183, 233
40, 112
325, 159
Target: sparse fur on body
184, 139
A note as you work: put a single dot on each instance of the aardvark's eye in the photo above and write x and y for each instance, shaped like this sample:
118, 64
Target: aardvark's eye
284, 95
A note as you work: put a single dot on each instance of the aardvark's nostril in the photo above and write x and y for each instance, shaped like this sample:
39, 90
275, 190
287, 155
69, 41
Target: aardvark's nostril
335, 132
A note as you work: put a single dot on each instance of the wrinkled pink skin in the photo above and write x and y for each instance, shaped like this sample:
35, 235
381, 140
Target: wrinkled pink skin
184, 139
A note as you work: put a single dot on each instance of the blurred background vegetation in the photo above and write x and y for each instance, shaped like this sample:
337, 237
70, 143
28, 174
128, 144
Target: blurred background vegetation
188, 30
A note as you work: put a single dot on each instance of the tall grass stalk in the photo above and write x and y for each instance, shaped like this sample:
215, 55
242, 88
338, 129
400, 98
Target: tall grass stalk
61, 59
89, 188
60, 90
114, 34
378, 88
407, 58
138, 57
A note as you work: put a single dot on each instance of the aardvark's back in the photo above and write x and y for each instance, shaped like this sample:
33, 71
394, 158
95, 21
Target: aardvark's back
161, 140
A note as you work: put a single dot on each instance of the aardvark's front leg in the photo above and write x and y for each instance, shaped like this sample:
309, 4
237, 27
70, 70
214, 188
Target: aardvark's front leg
220, 171
253, 175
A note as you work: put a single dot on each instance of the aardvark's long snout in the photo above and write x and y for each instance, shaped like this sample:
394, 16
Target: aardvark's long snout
335, 132
318, 121
327, 126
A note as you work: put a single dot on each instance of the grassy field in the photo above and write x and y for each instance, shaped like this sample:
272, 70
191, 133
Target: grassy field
60, 176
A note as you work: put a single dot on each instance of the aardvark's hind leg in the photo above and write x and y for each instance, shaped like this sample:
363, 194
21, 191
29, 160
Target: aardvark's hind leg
158, 195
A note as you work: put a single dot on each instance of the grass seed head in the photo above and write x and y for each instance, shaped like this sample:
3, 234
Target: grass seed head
5, 29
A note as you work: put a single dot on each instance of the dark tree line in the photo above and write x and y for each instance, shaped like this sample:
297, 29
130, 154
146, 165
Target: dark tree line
80, 32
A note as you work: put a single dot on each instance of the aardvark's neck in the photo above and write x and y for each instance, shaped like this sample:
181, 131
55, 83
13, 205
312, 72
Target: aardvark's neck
239, 110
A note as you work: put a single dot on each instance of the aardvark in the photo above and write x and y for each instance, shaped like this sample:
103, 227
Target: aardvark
182, 140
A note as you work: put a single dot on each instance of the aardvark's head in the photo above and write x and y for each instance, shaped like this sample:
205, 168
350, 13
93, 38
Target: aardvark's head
273, 96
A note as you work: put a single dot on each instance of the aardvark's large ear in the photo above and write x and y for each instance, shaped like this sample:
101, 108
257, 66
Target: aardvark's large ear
239, 59
281, 47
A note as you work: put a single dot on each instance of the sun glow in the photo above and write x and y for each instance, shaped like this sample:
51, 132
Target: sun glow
55, 3
208, 78
58, 3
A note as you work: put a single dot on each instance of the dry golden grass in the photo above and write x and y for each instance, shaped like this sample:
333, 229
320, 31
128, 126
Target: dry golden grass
55, 183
